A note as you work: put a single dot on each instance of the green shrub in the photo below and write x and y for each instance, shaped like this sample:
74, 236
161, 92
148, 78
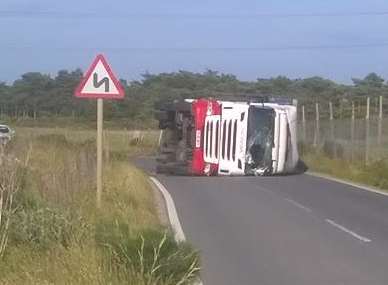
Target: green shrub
151, 255
375, 174
44, 227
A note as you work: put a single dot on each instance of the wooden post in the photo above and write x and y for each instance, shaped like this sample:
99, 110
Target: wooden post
160, 137
316, 137
331, 110
367, 108
332, 138
100, 115
352, 124
377, 106
303, 124
380, 121
367, 129
381, 107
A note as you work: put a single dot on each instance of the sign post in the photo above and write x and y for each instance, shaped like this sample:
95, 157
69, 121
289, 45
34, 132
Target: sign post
99, 83
100, 119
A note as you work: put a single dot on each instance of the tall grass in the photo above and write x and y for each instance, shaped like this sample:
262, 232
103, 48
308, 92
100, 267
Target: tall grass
374, 174
55, 234
9, 186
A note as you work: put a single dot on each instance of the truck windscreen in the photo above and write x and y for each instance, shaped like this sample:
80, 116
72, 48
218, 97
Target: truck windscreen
260, 134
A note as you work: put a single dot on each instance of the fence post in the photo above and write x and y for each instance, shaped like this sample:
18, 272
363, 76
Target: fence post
303, 124
352, 124
316, 136
380, 121
160, 137
332, 137
367, 126
331, 110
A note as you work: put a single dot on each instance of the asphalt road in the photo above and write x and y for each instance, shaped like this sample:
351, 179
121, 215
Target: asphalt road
283, 230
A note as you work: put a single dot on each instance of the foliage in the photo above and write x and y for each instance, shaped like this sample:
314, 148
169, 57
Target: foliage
57, 236
153, 255
39, 95
10, 182
373, 174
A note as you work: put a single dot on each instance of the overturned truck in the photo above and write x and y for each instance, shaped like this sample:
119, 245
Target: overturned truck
215, 137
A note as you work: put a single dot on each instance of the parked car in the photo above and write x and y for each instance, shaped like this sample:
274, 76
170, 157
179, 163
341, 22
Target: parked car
6, 134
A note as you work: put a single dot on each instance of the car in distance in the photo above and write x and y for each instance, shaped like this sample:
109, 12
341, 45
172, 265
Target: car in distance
6, 134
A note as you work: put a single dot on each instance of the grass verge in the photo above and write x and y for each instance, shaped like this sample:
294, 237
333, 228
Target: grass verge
373, 174
55, 235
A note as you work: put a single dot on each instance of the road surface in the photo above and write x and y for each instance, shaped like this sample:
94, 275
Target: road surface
292, 230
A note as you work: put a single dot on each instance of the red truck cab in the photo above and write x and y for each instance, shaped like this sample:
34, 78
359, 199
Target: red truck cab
202, 108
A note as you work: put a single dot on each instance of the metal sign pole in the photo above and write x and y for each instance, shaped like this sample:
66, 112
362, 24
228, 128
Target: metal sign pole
100, 115
99, 82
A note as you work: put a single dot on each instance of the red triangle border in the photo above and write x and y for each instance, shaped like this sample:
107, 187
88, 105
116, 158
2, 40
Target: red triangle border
85, 78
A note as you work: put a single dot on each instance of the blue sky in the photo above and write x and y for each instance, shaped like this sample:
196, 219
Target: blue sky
250, 38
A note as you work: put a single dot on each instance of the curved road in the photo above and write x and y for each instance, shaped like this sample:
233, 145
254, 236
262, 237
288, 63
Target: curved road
283, 230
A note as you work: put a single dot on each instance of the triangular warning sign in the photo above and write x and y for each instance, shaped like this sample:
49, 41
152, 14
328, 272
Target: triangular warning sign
100, 82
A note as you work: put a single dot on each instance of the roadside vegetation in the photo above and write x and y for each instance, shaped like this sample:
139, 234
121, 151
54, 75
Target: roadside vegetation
50, 230
323, 161
36, 96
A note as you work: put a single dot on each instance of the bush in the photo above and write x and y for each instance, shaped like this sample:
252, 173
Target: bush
44, 227
10, 182
152, 256
375, 174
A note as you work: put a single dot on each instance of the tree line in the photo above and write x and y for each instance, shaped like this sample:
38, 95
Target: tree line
37, 95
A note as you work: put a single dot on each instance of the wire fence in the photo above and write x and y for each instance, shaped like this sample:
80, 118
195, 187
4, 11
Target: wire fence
346, 131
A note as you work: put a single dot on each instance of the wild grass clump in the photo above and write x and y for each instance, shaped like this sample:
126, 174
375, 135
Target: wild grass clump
10, 182
373, 174
53, 232
44, 227
150, 256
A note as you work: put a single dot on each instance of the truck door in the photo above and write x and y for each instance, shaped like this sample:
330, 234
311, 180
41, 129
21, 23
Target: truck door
211, 139
232, 143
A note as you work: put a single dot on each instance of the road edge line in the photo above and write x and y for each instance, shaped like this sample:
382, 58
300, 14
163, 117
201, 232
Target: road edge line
172, 213
348, 182
348, 231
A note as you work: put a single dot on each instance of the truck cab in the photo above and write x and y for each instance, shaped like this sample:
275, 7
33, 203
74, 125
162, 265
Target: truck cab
239, 137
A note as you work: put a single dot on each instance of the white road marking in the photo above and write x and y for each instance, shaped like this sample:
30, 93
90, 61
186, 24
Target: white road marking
172, 215
171, 211
299, 205
342, 228
355, 185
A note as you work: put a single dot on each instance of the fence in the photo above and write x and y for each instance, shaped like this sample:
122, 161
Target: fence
346, 131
